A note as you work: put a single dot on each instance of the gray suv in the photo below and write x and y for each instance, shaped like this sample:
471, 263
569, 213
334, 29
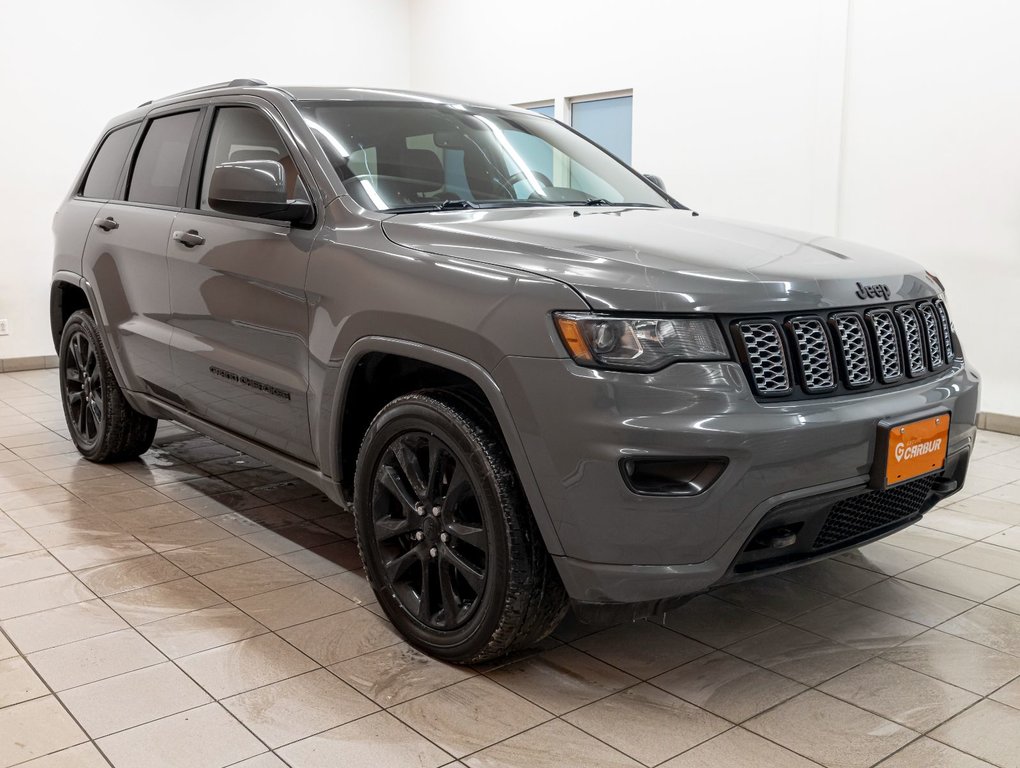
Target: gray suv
535, 378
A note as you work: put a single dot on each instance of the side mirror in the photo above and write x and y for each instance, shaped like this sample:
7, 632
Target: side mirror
656, 180
256, 188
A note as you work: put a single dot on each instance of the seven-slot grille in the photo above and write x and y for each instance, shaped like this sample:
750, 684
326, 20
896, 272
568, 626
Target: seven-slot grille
854, 349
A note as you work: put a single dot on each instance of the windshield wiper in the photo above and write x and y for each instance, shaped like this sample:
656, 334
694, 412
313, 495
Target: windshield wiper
598, 201
450, 205
445, 205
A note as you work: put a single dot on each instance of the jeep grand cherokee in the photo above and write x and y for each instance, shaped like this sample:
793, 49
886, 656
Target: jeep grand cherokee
534, 377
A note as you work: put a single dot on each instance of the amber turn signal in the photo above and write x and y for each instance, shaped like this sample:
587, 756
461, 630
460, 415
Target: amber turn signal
570, 332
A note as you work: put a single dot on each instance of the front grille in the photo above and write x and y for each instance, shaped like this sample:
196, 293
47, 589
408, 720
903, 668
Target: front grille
911, 329
813, 353
932, 333
766, 357
866, 513
844, 351
947, 330
853, 344
887, 344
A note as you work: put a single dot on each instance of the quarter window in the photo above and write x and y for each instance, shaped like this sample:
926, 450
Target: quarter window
159, 166
101, 181
244, 133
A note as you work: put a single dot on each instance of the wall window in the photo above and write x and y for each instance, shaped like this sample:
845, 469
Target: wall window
606, 121
549, 110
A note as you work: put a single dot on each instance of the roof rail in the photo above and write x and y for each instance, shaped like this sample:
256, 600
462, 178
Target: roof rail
239, 82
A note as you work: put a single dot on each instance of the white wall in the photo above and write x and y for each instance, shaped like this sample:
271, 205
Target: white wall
931, 167
736, 103
892, 122
68, 67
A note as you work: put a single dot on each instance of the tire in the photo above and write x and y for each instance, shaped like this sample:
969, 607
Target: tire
103, 427
435, 493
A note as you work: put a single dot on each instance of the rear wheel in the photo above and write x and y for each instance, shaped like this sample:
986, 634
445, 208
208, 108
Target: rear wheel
103, 427
446, 536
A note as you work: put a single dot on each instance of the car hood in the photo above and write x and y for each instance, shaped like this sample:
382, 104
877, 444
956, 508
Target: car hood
666, 260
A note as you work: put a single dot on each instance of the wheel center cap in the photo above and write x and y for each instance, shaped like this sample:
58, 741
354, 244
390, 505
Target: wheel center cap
431, 528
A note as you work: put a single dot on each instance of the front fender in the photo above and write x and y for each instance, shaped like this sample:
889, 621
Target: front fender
331, 413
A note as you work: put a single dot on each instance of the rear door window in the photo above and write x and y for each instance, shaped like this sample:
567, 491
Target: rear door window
104, 173
159, 165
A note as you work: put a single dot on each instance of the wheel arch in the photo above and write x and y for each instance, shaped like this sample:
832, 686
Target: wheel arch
70, 292
66, 297
363, 387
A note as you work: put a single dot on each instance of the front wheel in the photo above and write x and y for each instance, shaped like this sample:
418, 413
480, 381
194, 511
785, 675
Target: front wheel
103, 427
446, 536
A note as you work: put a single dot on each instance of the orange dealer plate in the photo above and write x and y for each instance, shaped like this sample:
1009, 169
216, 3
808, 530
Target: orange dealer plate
910, 449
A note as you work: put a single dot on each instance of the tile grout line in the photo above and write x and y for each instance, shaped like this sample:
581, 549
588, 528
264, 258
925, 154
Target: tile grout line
59, 701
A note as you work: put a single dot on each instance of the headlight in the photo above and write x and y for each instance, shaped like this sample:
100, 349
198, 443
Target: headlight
639, 344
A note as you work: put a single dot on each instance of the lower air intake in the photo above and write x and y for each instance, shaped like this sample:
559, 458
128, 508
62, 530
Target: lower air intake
860, 515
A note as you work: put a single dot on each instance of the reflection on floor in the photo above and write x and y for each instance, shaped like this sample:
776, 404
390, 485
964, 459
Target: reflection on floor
197, 608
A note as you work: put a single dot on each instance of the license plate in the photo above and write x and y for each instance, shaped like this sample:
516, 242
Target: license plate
909, 449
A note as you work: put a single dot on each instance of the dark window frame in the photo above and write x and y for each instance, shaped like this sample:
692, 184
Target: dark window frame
79, 189
192, 199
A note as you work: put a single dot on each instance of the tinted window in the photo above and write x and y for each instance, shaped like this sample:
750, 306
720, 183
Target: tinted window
102, 178
243, 133
159, 165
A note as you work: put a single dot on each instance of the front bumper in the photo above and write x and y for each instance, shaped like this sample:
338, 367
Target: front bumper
621, 547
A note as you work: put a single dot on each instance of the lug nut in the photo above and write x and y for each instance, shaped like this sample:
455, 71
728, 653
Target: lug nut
419, 536
435, 511
420, 509
433, 552
443, 537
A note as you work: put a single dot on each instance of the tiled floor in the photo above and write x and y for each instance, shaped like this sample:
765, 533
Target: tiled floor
197, 608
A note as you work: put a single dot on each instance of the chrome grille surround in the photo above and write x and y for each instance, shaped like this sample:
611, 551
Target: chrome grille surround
933, 335
853, 342
911, 328
814, 354
766, 357
947, 329
887, 345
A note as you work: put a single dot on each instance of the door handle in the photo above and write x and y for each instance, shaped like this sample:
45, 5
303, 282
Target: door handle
189, 239
107, 224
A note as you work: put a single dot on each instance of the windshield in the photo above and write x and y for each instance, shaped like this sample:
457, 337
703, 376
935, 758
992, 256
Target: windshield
414, 156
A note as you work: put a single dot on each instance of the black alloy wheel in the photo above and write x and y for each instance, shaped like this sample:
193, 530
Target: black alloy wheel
449, 543
102, 424
83, 389
429, 530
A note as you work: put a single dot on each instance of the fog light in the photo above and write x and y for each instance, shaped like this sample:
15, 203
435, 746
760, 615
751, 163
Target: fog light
672, 477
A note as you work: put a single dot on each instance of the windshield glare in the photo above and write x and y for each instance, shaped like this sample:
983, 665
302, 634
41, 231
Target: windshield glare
412, 156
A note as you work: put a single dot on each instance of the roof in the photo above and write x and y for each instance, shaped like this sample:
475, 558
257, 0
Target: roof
327, 93
304, 93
